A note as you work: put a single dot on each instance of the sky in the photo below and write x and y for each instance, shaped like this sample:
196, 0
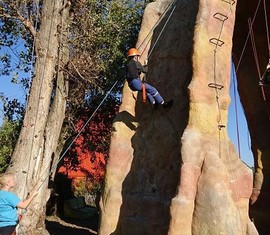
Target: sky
240, 120
16, 91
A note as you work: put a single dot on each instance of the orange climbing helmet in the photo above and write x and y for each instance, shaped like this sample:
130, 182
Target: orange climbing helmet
133, 52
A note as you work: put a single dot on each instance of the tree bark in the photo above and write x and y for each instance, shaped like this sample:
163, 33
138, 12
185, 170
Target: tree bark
37, 143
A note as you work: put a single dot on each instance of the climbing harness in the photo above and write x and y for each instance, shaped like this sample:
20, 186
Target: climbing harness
19, 219
134, 51
143, 92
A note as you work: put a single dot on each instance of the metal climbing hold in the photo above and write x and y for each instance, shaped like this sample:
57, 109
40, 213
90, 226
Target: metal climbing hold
221, 126
220, 16
216, 41
215, 85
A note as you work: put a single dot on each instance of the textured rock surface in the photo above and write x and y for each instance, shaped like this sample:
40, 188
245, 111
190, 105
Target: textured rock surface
176, 172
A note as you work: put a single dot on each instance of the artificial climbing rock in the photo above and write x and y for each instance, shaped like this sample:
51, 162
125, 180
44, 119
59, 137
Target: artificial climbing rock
176, 172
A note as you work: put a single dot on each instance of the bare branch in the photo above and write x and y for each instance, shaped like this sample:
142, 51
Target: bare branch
77, 70
26, 22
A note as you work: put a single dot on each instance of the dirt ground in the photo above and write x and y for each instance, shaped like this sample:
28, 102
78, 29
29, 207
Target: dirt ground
57, 226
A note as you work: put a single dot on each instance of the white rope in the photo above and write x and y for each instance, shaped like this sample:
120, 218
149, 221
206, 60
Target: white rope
220, 126
267, 29
249, 32
161, 32
155, 25
78, 134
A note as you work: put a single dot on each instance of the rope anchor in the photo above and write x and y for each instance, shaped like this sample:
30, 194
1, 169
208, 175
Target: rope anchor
215, 85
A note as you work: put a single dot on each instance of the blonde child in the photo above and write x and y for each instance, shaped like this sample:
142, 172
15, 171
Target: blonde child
9, 202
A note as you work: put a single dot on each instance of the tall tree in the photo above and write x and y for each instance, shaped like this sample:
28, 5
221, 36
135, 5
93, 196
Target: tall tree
45, 108
79, 50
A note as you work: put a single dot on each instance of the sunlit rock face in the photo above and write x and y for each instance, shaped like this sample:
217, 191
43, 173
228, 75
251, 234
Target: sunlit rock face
175, 171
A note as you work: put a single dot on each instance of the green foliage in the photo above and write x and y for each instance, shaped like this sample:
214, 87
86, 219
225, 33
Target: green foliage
16, 41
84, 186
13, 110
9, 133
101, 33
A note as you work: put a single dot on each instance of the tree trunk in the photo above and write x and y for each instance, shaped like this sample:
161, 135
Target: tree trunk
44, 115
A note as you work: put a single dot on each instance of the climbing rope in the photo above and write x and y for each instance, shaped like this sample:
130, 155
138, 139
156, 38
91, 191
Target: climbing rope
245, 44
150, 34
46, 175
218, 43
143, 92
148, 38
149, 54
235, 108
267, 29
235, 70
78, 134
253, 43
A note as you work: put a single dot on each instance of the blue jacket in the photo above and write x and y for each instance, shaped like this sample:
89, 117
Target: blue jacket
8, 208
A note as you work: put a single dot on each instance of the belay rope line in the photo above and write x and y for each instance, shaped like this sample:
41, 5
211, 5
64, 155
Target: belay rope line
246, 41
150, 33
149, 36
78, 134
235, 107
267, 28
238, 65
218, 43
105, 97
46, 175
255, 54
